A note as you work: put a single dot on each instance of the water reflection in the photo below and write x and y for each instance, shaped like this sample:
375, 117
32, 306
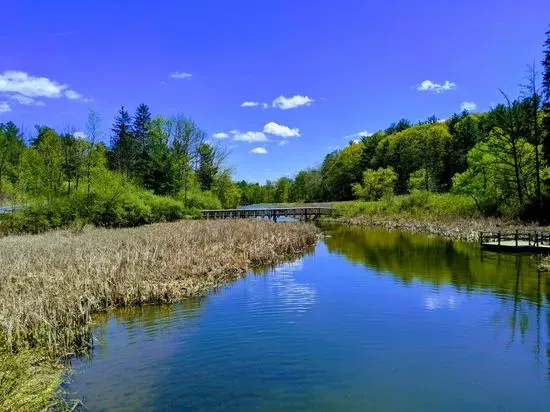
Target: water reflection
372, 320
522, 290
436, 261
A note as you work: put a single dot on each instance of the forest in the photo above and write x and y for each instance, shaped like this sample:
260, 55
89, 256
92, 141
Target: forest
163, 169
155, 169
498, 159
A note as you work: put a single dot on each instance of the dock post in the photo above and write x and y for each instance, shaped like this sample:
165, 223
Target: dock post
516, 238
498, 237
481, 238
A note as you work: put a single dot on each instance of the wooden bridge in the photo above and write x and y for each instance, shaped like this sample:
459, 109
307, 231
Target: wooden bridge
537, 242
306, 213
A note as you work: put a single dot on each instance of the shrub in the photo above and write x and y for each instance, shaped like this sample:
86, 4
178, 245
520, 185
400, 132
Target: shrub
202, 200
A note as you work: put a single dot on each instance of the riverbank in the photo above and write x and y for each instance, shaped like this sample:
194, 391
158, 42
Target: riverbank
446, 215
53, 284
457, 228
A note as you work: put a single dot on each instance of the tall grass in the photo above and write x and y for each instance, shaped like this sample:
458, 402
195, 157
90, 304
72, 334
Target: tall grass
52, 284
417, 204
448, 215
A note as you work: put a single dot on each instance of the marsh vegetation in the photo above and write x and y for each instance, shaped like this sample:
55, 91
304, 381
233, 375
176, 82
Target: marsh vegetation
53, 284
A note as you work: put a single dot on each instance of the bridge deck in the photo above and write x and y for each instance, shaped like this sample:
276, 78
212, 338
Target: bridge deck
272, 213
535, 242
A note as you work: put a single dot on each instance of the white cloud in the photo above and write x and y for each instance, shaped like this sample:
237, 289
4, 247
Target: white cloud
265, 105
79, 135
72, 95
293, 102
469, 106
162, 82
357, 135
220, 135
259, 150
25, 85
429, 86
180, 75
282, 142
4, 107
248, 136
26, 101
280, 130
249, 104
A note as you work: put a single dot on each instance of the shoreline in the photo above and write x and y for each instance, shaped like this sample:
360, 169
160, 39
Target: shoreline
455, 228
57, 282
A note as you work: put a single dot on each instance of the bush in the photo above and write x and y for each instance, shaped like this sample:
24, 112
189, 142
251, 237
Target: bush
419, 204
166, 209
202, 200
131, 207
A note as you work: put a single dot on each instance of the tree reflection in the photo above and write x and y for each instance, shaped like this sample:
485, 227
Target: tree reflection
523, 291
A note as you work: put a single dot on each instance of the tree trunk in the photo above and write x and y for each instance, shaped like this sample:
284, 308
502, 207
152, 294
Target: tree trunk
518, 178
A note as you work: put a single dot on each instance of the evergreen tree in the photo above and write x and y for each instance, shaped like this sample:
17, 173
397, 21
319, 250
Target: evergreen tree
207, 168
123, 145
140, 129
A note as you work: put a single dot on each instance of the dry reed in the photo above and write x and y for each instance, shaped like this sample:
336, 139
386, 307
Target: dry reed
459, 228
52, 284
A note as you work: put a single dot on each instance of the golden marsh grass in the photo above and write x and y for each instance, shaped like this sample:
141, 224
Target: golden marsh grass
52, 284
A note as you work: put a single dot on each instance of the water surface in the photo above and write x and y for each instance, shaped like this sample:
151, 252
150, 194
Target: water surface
373, 320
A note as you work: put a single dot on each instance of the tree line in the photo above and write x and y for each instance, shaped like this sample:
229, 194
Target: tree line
154, 169
500, 159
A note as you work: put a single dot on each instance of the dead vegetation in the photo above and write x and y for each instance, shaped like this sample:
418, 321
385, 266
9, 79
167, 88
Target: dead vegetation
451, 227
53, 283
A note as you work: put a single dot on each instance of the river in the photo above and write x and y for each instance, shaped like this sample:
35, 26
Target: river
372, 320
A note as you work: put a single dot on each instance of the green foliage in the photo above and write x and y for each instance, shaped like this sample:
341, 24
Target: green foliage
207, 168
418, 204
202, 200
376, 184
340, 170
500, 174
41, 167
29, 381
228, 192
11, 147
419, 147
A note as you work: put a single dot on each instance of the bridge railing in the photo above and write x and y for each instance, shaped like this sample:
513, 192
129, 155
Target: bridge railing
307, 212
534, 239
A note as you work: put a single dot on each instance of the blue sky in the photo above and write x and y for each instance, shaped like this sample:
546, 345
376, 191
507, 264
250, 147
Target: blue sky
325, 70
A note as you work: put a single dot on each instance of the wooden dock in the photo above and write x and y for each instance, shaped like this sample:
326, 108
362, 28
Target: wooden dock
306, 213
535, 242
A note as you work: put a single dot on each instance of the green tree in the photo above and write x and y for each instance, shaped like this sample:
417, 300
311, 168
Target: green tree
42, 167
491, 178
376, 184
228, 193
11, 147
124, 150
184, 138
340, 170
282, 190
73, 150
157, 175
418, 147
206, 173
140, 132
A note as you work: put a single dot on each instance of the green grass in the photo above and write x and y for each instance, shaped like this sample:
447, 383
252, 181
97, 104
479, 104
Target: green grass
419, 205
29, 380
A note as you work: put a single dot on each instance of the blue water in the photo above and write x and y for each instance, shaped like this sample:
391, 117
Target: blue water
373, 320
